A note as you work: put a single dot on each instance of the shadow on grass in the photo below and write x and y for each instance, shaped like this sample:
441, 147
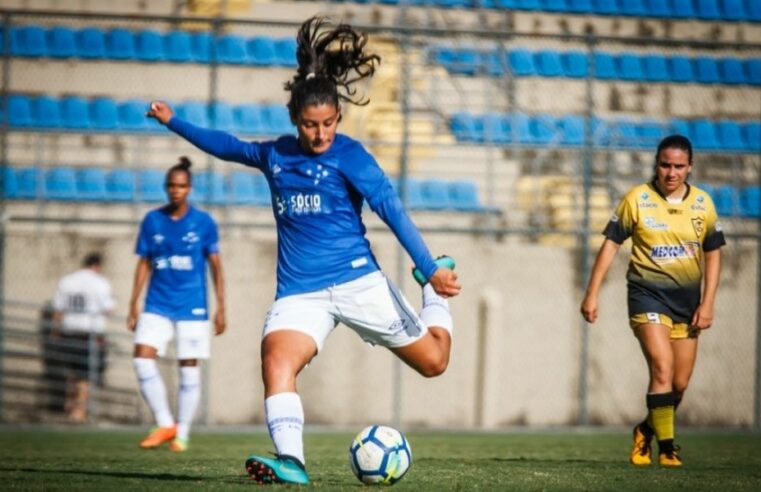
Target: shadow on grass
169, 477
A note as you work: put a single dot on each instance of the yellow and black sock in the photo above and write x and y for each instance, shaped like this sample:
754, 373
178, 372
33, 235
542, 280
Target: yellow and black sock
661, 419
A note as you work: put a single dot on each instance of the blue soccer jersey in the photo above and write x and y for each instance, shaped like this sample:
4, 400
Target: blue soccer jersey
317, 203
177, 250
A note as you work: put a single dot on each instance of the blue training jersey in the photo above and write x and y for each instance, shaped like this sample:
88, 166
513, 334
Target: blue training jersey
317, 204
177, 251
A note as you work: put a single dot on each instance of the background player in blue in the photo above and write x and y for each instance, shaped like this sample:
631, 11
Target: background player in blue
174, 245
326, 273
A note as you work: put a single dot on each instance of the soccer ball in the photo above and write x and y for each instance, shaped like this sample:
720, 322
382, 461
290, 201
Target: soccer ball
380, 455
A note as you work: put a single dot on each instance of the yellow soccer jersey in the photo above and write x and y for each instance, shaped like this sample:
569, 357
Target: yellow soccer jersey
668, 242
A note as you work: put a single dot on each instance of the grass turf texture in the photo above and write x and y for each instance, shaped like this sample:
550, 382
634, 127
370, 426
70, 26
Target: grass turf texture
110, 460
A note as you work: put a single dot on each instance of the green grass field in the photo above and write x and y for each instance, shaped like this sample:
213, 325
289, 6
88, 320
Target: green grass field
110, 460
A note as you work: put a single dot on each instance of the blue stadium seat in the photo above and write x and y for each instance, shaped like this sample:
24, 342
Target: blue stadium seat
554, 5
655, 68
231, 49
132, 115
521, 63
435, 194
21, 183
414, 192
91, 184
466, 61
19, 111
548, 63
120, 44
706, 70
277, 120
177, 47
520, 126
730, 135
732, 71
679, 126
601, 132
624, 134
248, 119
285, 49
494, 62
60, 184
542, 127
104, 114
633, 8
682, 69
91, 43
242, 188
528, 4
658, 8
262, 196
580, 6
464, 128
683, 9
496, 128
193, 112
604, 66
120, 185
463, 196
750, 202
200, 47
149, 46
571, 130
62, 42
726, 200
705, 135
261, 51
752, 134
754, 11
650, 133
209, 188
75, 113
46, 112
629, 67
753, 71
606, 7
221, 114
575, 64
150, 186
708, 10
29, 41
733, 10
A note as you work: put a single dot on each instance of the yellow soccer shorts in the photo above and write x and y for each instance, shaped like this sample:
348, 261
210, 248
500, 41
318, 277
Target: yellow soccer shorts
679, 331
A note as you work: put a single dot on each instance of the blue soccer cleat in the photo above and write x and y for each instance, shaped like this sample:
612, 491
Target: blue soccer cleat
443, 261
282, 469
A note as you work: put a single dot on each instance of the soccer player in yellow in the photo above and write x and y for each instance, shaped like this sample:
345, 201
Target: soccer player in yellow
675, 244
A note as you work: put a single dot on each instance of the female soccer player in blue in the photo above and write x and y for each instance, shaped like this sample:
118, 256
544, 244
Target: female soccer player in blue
326, 272
175, 243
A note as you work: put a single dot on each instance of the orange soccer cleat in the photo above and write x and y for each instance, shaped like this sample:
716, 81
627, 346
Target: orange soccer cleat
158, 436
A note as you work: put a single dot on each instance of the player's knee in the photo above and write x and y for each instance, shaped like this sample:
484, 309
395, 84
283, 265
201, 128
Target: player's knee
662, 373
276, 367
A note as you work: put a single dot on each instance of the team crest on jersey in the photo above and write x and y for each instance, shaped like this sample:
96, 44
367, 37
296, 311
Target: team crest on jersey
699, 225
700, 199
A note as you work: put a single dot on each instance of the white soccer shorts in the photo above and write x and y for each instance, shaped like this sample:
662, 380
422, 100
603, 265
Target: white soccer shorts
371, 305
193, 337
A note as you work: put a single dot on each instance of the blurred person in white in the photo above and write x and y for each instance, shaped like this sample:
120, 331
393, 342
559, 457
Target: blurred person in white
82, 302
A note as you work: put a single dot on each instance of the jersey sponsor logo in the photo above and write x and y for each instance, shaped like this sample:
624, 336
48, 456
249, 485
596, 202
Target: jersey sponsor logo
198, 311
699, 225
299, 204
359, 262
175, 262
652, 223
647, 205
666, 253
675, 211
698, 208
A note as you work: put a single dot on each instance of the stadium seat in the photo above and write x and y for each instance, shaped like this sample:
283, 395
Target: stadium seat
285, 49
62, 42
604, 66
463, 196
46, 112
91, 43
704, 135
683, 9
60, 183
658, 8
726, 200
553, 5
528, 5
730, 135
209, 188
19, 111
262, 195
414, 194
104, 115
629, 67
248, 119
231, 49
732, 71
193, 112
753, 71
120, 44
624, 134
600, 132
150, 186
575, 64
580, 6
496, 128
91, 184
120, 185
548, 63
754, 11
177, 47
277, 120
655, 68
520, 125
74, 113
752, 134
20, 183
750, 202
467, 61
200, 47
706, 70
132, 115
680, 127
733, 10
221, 116
149, 46
494, 62
682, 69
708, 10
571, 130
261, 51
650, 133
242, 188
435, 194
606, 7
521, 63
542, 128
463, 126
30, 41
633, 8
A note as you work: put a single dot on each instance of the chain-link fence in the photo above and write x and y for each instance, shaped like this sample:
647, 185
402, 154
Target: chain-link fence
511, 150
